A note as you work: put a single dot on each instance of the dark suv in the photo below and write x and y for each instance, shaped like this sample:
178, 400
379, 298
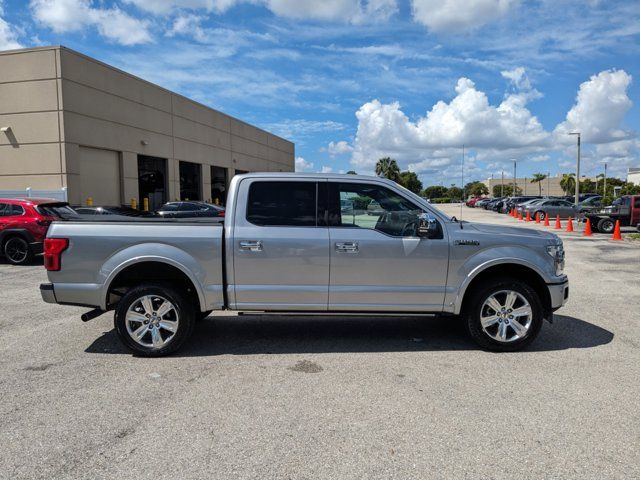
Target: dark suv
24, 224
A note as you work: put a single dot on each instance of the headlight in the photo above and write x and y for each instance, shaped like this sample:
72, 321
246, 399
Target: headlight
557, 252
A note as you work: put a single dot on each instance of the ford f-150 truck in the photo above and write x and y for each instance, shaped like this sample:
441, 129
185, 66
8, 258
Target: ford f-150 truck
289, 244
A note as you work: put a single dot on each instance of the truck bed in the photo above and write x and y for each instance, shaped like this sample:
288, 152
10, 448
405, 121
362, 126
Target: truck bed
99, 250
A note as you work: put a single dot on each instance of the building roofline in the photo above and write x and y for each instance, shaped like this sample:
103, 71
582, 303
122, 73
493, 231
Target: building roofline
135, 77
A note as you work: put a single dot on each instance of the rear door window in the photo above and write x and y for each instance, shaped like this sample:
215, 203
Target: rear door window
15, 210
291, 204
3, 208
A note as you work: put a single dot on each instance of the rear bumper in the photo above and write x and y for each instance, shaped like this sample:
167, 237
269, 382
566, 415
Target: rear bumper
47, 292
559, 294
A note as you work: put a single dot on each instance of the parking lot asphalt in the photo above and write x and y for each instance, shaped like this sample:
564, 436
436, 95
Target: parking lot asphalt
329, 397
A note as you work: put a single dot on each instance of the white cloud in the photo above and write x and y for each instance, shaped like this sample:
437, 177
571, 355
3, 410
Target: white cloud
8, 34
468, 119
162, 7
326, 169
351, 11
452, 16
339, 148
74, 15
302, 165
598, 114
299, 129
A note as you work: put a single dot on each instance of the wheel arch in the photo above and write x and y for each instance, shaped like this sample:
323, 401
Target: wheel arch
516, 270
16, 232
150, 270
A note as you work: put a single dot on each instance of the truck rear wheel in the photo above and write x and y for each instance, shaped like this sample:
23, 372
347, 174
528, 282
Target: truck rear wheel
503, 315
154, 320
606, 225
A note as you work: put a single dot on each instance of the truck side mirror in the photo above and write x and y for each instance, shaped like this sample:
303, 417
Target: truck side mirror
427, 226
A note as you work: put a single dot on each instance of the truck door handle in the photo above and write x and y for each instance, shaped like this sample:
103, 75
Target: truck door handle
347, 247
251, 245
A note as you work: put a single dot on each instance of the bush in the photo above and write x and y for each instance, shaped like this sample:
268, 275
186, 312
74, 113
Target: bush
441, 200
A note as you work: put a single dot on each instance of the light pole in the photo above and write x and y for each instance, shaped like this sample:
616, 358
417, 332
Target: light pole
604, 190
577, 169
502, 184
515, 182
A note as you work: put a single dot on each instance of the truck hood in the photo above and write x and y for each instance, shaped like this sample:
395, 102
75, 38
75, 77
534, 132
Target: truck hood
530, 233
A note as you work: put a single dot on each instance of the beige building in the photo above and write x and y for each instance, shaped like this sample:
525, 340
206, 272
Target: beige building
70, 122
550, 186
633, 176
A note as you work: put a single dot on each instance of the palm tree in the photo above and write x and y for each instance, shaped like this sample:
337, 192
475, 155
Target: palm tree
387, 167
537, 178
568, 183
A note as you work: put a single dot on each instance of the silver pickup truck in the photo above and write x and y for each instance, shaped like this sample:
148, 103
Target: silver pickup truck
308, 243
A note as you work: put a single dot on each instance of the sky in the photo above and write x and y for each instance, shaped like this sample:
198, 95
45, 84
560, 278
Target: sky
351, 81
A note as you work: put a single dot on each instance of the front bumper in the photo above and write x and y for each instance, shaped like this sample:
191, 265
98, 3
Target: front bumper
558, 293
47, 292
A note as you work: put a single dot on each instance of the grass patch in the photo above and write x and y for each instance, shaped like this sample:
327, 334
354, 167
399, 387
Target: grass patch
634, 236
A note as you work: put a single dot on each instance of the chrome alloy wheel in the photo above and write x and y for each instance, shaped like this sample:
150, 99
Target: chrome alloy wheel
152, 321
506, 316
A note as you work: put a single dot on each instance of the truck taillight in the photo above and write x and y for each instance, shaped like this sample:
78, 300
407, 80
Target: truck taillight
53, 248
43, 223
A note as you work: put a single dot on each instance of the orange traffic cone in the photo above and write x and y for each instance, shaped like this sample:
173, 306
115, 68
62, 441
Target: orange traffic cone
520, 216
587, 228
569, 225
558, 224
528, 219
538, 217
546, 220
616, 232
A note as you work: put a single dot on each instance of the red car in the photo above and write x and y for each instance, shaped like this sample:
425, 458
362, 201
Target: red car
24, 224
472, 201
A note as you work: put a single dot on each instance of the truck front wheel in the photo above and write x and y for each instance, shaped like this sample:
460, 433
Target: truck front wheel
154, 320
503, 315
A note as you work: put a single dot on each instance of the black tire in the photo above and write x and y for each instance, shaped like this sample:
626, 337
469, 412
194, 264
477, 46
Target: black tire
183, 309
606, 225
17, 250
541, 214
474, 304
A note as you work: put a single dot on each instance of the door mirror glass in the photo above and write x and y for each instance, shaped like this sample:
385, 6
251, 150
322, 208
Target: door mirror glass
427, 226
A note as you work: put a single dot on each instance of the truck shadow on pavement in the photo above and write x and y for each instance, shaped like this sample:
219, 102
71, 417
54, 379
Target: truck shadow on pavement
257, 334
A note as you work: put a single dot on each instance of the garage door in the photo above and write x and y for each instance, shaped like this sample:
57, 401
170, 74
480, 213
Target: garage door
100, 176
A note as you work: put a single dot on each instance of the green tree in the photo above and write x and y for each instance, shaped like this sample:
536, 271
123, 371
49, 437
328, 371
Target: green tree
587, 186
476, 189
351, 172
538, 178
410, 181
434, 191
568, 183
455, 193
387, 167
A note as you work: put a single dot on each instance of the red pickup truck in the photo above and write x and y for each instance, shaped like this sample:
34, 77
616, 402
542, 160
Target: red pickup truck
626, 209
